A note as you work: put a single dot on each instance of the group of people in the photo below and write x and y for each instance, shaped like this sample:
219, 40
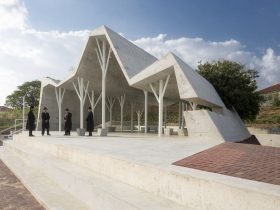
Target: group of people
45, 118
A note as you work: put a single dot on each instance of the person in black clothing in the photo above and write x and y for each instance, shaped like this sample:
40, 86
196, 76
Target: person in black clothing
45, 121
67, 122
90, 122
30, 125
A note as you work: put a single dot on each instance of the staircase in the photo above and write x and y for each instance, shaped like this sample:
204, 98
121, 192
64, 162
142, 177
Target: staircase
58, 181
77, 173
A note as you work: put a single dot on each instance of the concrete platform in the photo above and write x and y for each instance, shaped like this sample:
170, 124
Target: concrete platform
137, 164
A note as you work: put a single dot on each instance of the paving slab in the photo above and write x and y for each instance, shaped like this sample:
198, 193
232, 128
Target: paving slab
253, 162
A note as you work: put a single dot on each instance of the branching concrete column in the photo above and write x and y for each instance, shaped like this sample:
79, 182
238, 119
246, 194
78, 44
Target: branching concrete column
179, 115
131, 115
121, 102
182, 114
159, 97
81, 91
110, 105
186, 109
59, 97
92, 101
146, 110
193, 105
165, 116
139, 114
103, 59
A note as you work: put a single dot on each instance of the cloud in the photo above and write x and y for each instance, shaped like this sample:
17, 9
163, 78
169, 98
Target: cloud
13, 14
195, 50
27, 54
269, 66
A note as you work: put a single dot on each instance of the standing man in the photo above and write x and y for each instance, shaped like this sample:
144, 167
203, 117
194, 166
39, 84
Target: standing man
30, 125
67, 122
45, 121
90, 122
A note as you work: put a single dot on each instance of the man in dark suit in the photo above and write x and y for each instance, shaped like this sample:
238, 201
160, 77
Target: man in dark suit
90, 122
67, 122
45, 121
30, 125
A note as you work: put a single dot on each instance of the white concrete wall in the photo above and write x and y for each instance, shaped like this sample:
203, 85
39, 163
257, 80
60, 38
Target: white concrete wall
48, 99
272, 140
223, 127
271, 130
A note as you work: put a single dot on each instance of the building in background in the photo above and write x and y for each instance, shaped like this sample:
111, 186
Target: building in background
4, 109
271, 95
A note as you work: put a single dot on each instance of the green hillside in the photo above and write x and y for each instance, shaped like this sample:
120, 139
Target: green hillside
267, 117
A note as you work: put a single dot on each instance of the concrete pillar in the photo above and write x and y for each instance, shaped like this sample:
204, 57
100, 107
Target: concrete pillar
92, 101
103, 59
159, 97
139, 114
165, 116
59, 97
179, 115
193, 105
160, 107
81, 91
103, 86
146, 110
121, 102
182, 114
131, 116
110, 105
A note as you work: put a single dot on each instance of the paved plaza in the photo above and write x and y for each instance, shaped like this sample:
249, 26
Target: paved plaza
247, 161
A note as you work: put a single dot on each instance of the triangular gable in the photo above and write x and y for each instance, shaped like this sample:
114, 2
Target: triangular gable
132, 58
202, 87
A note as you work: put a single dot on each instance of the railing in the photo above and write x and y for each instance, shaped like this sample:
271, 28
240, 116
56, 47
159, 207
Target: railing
19, 124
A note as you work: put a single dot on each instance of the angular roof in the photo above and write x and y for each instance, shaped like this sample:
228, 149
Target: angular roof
191, 85
270, 89
139, 67
133, 59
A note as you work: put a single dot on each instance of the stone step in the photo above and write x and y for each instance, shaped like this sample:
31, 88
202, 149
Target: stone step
95, 190
150, 178
146, 164
45, 190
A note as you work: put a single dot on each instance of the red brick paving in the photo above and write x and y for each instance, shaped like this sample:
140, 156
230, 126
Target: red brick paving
13, 195
254, 162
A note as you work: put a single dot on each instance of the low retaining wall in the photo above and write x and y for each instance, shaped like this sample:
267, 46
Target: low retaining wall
267, 136
255, 130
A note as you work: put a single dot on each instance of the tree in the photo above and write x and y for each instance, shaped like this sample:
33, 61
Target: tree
235, 84
32, 92
276, 100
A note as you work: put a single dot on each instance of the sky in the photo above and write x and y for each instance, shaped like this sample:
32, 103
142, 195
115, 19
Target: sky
45, 38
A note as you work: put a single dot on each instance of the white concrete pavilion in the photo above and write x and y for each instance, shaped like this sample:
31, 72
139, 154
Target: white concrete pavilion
117, 78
